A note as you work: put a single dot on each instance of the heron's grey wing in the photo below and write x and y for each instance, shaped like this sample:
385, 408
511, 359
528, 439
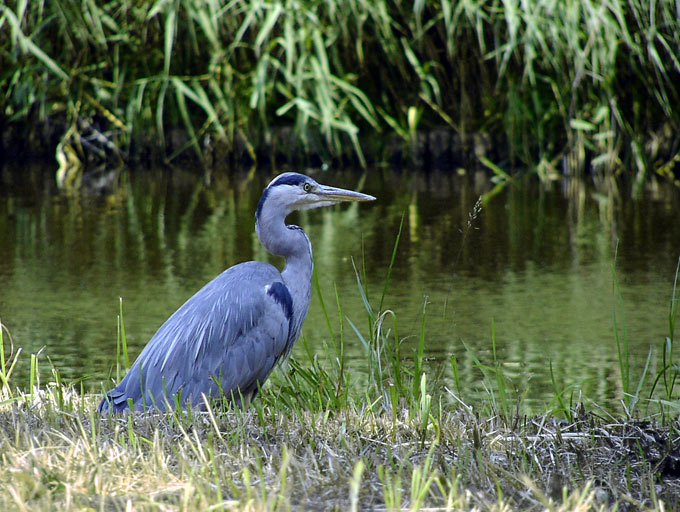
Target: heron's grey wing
247, 360
226, 338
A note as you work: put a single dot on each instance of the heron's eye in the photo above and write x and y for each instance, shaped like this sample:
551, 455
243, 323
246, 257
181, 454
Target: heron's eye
307, 187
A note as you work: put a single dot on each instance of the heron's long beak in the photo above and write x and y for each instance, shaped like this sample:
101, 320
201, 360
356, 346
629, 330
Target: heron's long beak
337, 195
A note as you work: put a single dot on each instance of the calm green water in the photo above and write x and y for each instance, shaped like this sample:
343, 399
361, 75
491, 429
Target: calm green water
535, 265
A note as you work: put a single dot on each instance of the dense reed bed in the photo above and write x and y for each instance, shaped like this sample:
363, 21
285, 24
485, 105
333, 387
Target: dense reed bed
572, 86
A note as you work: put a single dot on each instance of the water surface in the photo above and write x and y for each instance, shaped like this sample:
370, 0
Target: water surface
533, 268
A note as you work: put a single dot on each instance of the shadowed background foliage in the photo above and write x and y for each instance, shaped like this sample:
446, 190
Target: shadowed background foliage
570, 85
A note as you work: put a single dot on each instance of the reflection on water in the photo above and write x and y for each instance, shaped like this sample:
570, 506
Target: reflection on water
534, 266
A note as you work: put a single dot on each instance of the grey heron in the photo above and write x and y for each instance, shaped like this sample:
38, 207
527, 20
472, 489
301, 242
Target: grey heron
226, 339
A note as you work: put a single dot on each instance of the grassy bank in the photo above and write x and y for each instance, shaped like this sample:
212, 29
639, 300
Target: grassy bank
587, 82
59, 455
293, 449
321, 437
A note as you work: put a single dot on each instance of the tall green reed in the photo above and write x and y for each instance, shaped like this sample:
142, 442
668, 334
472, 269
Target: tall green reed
621, 337
122, 357
382, 343
7, 362
670, 365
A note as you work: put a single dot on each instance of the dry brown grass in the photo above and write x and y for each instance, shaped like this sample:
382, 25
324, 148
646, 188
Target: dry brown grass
57, 454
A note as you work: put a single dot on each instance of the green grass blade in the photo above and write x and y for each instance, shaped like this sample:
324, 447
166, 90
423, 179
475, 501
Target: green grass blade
391, 265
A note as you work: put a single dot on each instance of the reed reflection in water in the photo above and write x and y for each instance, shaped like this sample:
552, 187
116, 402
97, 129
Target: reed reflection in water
534, 264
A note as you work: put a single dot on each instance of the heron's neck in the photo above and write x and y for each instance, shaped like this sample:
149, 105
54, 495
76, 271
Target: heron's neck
292, 243
281, 239
297, 276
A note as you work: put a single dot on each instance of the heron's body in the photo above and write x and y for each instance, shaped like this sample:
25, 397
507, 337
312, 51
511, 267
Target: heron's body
227, 338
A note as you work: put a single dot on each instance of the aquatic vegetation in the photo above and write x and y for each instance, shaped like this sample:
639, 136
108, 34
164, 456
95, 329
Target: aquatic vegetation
441, 81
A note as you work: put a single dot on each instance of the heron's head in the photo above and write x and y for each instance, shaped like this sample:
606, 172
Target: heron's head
291, 191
